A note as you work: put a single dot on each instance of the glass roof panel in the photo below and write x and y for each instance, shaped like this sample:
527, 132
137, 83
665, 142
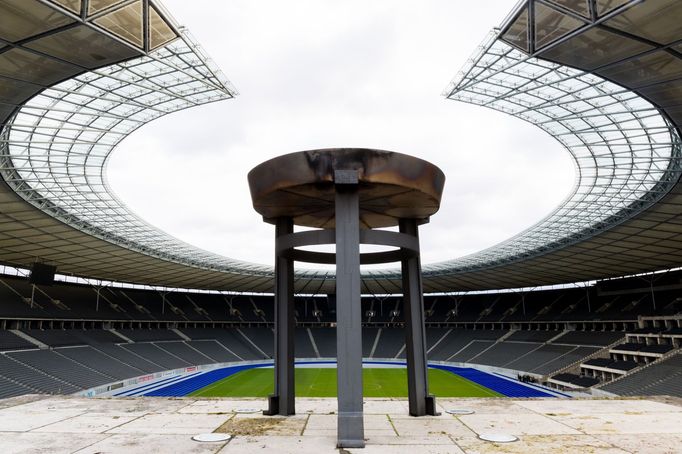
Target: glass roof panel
577, 6
20, 19
72, 5
604, 6
159, 31
83, 46
659, 66
550, 25
23, 65
593, 48
125, 23
99, 5
517, 34
80, 120
626, 151
657, 21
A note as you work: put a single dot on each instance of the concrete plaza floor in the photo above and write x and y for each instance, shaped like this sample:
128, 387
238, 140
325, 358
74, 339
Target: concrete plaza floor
63, 424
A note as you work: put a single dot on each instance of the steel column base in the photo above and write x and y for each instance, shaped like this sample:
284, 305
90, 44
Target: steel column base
350, 424
431, 405
273, 405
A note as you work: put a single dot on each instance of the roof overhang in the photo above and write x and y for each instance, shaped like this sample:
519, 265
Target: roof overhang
606, 82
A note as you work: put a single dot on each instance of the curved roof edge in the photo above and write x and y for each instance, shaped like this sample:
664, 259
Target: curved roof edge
605, 82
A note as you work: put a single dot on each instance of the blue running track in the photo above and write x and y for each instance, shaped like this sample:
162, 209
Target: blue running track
190, 385
504, 386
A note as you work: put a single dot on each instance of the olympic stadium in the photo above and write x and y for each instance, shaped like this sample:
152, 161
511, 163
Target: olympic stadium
115, 335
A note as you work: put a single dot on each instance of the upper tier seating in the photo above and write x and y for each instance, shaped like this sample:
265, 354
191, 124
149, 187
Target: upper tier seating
663, 377
10, 341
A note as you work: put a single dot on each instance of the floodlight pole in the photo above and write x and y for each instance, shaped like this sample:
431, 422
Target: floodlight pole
282, 402
350, 430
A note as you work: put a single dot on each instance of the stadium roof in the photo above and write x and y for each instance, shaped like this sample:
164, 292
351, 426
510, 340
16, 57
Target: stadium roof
603, 77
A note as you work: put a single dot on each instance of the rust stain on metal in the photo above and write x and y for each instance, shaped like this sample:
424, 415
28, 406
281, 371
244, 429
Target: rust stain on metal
301, 185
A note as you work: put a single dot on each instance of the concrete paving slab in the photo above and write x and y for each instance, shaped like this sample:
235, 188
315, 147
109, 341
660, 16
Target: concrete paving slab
222, 405
87, 423
377, 422
405, 449
369, 433
317, 406
516, 424
43, 443
172, 423
15, 420
20, 400
645, 443
133, 406
590, 406
150, 444
282, 445
422, 427
149, 425
433, 439
485, 406
316, 422
564, 444
611, 423
383, 406
258, 424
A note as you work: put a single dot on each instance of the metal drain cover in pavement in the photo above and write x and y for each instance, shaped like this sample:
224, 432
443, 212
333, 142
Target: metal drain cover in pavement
460, 411
211, 437
498, 438
247, 410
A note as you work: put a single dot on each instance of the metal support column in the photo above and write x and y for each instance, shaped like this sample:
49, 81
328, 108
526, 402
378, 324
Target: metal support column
420, 402
350, 431
282, 402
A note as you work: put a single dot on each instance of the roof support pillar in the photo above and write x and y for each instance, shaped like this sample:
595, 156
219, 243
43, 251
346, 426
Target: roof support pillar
420, 401
282, 402
350, 432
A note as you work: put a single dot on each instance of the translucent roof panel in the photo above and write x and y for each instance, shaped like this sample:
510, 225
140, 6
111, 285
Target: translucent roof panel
23, 65
595, 47
606, 6
159, 31
550, 24
657, 21
20, 19
72, 5
626, 152
652, 68
60, 139
95, 6
125, 22
517, 34
577, 6
94, 49
570, 75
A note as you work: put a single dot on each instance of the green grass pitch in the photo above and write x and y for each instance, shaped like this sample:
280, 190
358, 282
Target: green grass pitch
321, 382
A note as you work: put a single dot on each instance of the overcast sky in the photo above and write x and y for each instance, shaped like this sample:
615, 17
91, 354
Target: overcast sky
322, 73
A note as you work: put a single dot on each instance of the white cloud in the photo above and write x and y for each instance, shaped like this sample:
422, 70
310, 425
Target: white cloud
323, 73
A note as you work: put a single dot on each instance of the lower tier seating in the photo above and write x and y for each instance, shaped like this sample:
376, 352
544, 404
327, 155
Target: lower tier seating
78, 359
